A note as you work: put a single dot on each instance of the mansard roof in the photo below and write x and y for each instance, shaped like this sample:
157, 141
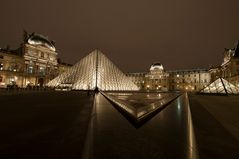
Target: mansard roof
38, 39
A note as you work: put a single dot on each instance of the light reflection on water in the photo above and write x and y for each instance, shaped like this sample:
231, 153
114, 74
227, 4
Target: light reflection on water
140, 104
165, 119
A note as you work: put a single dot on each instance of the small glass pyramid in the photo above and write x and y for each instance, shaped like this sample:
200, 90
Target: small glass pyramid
220, 86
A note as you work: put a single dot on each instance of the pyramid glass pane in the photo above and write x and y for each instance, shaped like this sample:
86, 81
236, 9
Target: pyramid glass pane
230, 87
95, 70
221, 86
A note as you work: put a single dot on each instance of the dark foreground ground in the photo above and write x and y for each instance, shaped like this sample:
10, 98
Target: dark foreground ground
43, 125
76, 125
216, 125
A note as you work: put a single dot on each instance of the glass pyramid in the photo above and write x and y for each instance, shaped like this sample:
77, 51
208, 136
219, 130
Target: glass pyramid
94, 71
221, 86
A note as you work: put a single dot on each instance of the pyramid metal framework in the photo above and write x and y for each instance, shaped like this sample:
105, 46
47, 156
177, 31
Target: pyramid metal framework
94, 71
221, 86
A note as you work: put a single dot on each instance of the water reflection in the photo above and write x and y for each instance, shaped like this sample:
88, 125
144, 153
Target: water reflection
140, 105
168, 135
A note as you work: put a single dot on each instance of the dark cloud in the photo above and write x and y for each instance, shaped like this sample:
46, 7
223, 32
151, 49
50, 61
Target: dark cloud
133, 34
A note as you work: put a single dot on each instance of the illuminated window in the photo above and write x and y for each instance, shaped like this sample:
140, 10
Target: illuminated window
13, 80
41, 70
30, 69
13, 67
1, 66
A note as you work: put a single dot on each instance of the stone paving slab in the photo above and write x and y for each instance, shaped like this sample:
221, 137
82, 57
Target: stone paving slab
212, 118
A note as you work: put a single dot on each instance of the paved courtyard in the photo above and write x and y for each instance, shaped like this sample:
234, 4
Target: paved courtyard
78, 125
43, 124
216, 125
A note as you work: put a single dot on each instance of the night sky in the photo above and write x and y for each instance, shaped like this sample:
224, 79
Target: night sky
132, 33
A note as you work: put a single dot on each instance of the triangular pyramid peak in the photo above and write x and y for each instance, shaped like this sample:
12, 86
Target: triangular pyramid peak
95, 71
220, 86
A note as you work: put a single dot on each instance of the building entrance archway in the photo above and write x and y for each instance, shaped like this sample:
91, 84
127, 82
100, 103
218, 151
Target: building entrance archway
41, 82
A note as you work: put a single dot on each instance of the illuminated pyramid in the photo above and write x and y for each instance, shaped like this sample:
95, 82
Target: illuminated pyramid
221, 86
94, 71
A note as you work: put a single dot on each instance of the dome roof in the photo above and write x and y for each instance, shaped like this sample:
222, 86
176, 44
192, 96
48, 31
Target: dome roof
36, 39
156, 66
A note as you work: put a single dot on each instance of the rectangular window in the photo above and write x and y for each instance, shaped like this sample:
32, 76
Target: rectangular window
1, 66
41, 70
42, 55
30, 69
